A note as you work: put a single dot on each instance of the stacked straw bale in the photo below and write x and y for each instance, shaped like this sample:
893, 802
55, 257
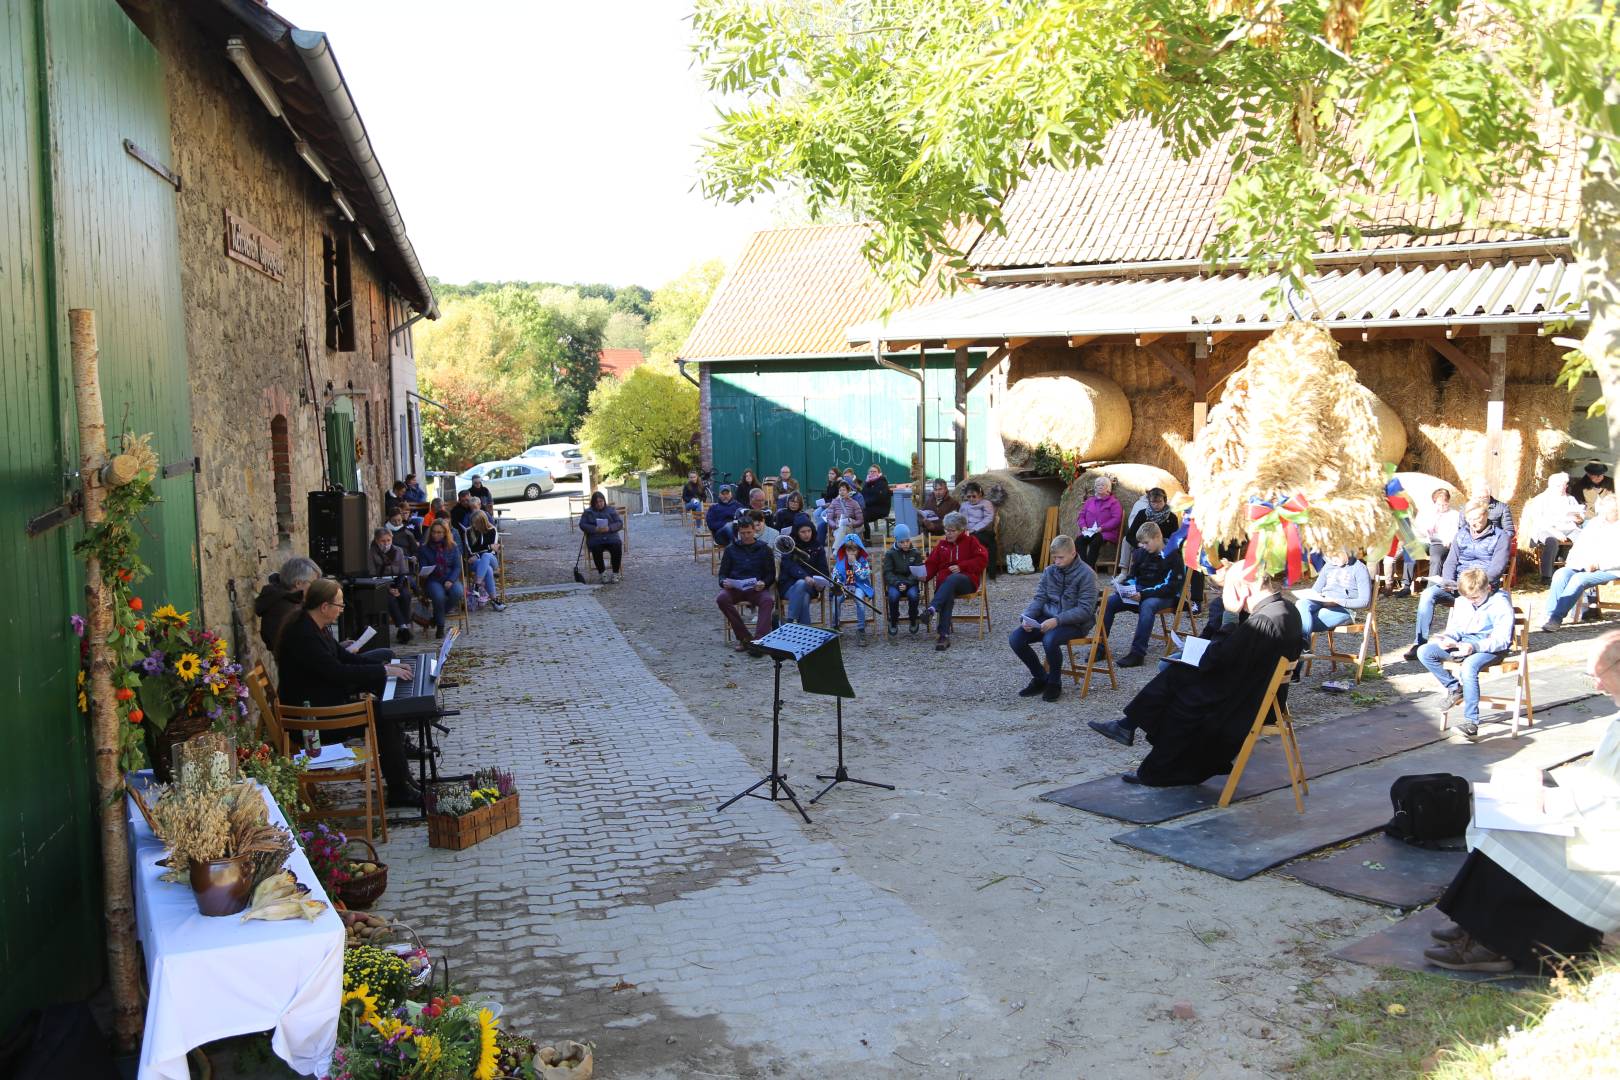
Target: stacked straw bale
1020, 507
1535, 432
1130, 478
1079, 412
1294, 420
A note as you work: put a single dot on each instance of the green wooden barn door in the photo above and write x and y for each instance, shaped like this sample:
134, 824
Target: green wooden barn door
733, 430
118, 253
340, 459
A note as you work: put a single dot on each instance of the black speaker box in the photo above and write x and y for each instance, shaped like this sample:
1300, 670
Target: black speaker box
338, 524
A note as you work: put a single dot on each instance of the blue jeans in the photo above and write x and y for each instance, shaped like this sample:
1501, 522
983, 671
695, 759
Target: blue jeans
1433, 595
1023, 641
694, 505
1150, 608
483, 570
910, 590
945, 598
1567, 586
799, 595
1316, 615
1434, 658
860, 611
443, 597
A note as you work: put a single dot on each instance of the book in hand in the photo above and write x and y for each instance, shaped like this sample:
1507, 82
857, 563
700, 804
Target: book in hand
1192, 650
918, 571
360, 642
1028, 623
744, 584
426, 570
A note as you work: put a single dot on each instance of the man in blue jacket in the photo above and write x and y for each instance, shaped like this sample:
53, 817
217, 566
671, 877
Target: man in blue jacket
1151, 584
721, 515
1064, 608
747, 572
1478, 634
1480, 545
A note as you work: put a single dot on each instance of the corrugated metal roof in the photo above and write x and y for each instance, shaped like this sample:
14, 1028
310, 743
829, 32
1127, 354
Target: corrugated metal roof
1507, 291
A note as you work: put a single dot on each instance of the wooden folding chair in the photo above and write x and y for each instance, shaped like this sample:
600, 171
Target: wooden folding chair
1170, 622
1516, 662
1272, 719
264, 699
1371, 645
1095, 643
1048, 534
1121, 547
979, 614
367, 772
624, 532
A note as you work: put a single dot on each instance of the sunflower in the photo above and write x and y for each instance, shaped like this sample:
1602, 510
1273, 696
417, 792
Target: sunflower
485, 1069
368, 1002
167, 613
188, 666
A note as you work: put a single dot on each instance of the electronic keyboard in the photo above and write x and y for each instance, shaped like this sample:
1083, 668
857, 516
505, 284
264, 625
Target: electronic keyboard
406, 698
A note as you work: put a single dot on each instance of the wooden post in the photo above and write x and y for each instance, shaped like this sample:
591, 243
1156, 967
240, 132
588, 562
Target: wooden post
118, 906
959, 413
1495, 406
1201, 385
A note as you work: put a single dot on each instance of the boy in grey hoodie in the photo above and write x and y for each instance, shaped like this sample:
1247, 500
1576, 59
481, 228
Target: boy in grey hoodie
1064, 608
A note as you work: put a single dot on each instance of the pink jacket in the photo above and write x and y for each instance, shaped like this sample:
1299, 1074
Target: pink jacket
1105, 514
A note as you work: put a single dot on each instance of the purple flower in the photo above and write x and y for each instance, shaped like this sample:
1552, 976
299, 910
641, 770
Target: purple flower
153, 665
78, 624
215, 713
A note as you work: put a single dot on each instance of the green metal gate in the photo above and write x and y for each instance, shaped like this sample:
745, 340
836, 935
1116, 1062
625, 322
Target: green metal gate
82, 224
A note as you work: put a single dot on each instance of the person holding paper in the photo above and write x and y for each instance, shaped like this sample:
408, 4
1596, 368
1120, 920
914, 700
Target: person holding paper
483, 543
1197, 717
604, 536
1551, 519
1099, 521
804, 574
440, 571
1479, 545
721, 515
1343, 587
1522, 899
385, 559
1064, 608
1593, 560
747, 572
1150, 582
843, 514
900, 581
954, 566
935, 505
1478, 634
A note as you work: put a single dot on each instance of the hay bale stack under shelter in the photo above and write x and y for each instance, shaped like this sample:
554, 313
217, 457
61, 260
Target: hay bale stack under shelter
1535, 432
1293, 420
1079, 412
1130, 478
1391, 432
1020, 507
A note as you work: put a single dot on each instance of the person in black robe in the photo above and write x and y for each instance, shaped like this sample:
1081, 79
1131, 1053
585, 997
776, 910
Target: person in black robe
1196, 718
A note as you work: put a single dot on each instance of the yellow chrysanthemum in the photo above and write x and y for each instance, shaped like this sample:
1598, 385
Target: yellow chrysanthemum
188, 666
428, 1050
368, 1002
167, 613
487, 1057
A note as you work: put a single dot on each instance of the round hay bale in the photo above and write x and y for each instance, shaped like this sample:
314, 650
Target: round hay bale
1130, 481
1420, 488
1079, 412
1391, 432
1020, 507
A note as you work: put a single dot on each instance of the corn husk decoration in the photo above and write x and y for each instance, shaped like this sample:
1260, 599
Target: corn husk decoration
1288, 458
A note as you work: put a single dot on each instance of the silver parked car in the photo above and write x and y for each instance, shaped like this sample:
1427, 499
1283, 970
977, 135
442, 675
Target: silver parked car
563, 460
515, 479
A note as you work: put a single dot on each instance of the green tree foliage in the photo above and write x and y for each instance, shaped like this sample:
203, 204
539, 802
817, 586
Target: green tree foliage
922, 114
625, 330
474, 363
675, 308
635, 300
645, 422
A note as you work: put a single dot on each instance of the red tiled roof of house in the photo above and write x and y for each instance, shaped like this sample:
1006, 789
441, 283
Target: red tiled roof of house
620, 362
793, 292
1142, 204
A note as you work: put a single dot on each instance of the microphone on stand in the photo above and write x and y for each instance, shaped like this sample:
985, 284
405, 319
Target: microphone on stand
788, 548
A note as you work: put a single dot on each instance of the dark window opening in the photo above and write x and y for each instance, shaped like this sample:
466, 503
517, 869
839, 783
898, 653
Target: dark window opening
281, 467
339, 293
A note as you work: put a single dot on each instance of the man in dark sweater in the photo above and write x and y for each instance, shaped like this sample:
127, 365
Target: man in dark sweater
747, 572
1480, 544
720, 515
281, 597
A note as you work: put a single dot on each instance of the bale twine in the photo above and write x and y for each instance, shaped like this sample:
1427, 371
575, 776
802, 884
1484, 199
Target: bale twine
1293, 420
1131, 479
1020, 507
1079, 412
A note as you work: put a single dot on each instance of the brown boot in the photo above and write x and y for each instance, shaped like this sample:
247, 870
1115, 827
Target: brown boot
1466, 954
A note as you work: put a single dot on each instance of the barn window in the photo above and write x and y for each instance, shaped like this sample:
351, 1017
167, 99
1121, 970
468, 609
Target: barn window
339, 293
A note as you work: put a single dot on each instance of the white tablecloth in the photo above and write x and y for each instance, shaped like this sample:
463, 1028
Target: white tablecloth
211, 978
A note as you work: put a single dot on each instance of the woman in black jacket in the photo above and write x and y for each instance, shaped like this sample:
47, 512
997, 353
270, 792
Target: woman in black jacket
789, 514
317, 671
878, 496
386, 560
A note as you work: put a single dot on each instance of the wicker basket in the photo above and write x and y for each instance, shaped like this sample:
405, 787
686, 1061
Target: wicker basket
362, 891
458, 833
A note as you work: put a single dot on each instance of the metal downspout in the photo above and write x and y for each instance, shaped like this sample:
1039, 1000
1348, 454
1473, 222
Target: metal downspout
922, 395
680, 365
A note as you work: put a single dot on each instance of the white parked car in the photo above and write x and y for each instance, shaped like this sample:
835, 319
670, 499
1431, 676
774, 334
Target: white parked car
515, 479
562, 460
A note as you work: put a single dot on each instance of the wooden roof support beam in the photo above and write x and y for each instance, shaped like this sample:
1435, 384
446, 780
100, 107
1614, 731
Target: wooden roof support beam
961, 343
1184, 374
1078, 340
990, 364
1462, 362
1144, 340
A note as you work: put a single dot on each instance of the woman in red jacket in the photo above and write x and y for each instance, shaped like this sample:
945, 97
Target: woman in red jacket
954, 566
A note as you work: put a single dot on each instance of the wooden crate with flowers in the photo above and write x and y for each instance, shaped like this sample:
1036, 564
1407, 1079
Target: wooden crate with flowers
461, 813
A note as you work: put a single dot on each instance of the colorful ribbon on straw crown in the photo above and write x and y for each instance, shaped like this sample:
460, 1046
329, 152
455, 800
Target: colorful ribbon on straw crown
1274, 537
1400, 505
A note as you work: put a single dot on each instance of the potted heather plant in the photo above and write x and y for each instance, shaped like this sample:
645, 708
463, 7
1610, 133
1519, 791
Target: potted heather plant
463, 812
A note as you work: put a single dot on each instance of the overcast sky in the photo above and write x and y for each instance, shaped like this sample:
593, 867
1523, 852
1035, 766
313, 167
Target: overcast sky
549, 140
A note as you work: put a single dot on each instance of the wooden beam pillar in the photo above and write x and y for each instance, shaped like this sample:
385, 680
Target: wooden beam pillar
1495, 408
1201, 385
959, 412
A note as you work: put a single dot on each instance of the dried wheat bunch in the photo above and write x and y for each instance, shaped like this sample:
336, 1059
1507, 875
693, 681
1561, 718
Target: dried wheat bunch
194, 825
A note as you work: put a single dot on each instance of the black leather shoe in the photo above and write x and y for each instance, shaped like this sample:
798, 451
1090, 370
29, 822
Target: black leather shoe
1410, 655
405, 795
404, 636
1052, 692
1132, 659
1113, 729
1035, 687
1131, 778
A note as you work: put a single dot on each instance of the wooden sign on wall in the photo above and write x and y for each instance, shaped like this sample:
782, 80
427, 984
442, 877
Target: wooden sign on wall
250, 247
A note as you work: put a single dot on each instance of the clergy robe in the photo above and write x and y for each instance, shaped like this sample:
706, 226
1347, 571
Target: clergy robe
1196, 718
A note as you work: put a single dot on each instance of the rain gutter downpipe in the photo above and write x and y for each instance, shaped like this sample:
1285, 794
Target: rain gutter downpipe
680, 366
922, 395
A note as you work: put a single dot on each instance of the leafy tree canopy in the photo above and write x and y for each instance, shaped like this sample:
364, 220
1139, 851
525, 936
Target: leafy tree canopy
645, 422
675, 309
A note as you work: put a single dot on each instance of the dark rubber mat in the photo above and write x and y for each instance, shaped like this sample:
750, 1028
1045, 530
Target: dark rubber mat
1401, 946
1382, 870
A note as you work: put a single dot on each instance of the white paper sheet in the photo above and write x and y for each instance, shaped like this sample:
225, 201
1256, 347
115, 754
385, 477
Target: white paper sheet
1192, 651
1504, 808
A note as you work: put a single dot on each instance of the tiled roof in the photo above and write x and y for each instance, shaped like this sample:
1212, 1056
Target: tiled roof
1142, 204
620, 362
792, 293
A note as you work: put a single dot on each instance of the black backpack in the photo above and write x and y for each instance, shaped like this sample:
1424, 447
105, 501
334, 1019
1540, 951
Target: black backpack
1431, 809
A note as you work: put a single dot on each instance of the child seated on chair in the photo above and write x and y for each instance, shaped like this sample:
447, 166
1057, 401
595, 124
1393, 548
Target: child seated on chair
1064, 608
898, 579
1151, 582
853, 571
1343, 587
1478, 634
1198, 717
